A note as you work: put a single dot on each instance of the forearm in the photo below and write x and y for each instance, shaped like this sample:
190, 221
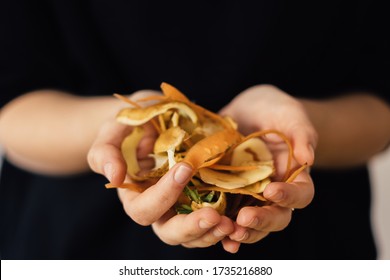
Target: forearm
351, 129
50, 132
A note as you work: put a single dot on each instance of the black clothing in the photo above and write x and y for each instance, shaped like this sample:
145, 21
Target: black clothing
211, 50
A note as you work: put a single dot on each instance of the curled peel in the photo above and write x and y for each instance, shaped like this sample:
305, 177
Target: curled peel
254, 149
219, 205
139, 116
129, 151
211, 148
235, 180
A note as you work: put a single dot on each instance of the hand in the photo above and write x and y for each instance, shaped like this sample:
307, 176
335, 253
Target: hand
201, 228
267, 107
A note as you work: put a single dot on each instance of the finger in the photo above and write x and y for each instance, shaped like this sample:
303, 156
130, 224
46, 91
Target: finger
212, 236
105, 157
297, 194
253, 236
266, 218
146, 145
230, 246
147, 207
108, 161
304, 140
247, 235
240, 233
182, 228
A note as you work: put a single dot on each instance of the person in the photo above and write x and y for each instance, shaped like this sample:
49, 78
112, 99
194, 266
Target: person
314, 72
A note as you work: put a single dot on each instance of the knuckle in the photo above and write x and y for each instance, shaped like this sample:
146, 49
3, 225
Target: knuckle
165, 200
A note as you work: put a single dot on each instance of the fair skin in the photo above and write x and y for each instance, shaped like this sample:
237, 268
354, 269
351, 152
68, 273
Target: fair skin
60, 133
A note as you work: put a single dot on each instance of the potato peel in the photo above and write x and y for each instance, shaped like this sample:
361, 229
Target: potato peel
235, 180
129, 151
223, 160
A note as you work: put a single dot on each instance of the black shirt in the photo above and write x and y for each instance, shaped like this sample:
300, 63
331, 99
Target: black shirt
211, 50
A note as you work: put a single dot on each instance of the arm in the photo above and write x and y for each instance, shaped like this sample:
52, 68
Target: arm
50, 132
351, 129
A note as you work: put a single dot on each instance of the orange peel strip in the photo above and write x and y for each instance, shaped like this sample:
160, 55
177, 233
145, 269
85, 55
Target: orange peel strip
202, 112
296, 173
130, 186
173, 93
127, 100
204, 152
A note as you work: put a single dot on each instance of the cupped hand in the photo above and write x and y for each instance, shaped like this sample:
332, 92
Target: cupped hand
266, 107
154, 206
261, 107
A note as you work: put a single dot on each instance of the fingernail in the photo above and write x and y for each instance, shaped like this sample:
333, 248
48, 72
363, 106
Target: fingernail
182, 174
205, 224
108, 171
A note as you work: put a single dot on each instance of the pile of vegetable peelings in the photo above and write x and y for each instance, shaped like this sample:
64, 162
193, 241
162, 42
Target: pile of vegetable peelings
230, 170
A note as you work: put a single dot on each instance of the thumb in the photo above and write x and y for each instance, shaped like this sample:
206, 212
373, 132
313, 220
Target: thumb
155, 201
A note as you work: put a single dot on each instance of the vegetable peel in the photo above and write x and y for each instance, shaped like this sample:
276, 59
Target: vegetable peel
225, 163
